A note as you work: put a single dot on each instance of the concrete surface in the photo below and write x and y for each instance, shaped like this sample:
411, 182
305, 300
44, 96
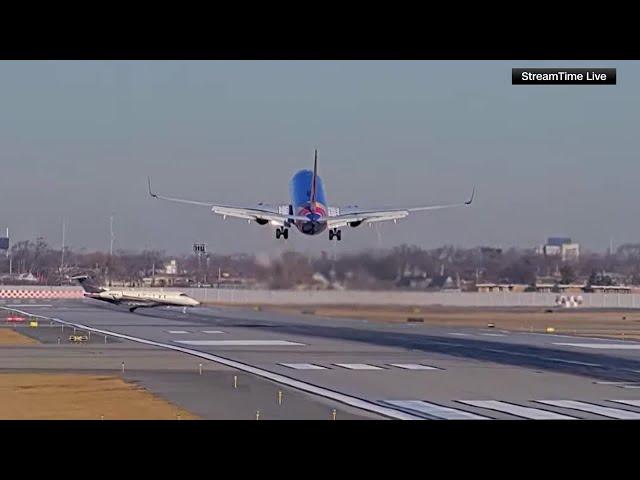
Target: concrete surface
470, 365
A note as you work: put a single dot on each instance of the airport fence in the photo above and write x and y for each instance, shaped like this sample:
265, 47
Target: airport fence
335, 297
460, 299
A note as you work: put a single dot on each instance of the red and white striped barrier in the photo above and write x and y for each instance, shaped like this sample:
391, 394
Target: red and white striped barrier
48, 294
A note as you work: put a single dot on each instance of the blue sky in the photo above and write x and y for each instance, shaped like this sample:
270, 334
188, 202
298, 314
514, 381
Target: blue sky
79, 138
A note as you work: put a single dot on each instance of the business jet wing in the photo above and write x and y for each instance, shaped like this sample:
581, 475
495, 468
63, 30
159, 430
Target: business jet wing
134, 305
263, 213
383, 215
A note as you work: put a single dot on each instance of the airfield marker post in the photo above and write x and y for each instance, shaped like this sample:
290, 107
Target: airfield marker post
235, 381
279, 397
200, 369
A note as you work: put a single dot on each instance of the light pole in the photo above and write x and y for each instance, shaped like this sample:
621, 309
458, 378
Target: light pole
64, 227
198, 250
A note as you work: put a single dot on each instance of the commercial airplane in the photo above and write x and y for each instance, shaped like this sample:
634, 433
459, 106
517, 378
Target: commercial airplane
135, 298
308, 210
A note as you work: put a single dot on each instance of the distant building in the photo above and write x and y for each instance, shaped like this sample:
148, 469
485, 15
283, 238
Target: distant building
560, 247
610, 289
171, 268
490, 252
500, 287
442, 282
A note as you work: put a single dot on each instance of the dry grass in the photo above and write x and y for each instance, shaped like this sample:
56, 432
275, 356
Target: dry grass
44, 396
11, 337
596, 323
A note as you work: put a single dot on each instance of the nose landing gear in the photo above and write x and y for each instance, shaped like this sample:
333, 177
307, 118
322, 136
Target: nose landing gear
335, 233
282, 232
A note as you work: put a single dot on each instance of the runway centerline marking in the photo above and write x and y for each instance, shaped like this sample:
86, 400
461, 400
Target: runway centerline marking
517, 410
282, 379
29, 305
303, 366
212, 331
633, 403
177, 331
592, 408
433, 410
413, 366
551, 359
603, 346
612, 383
358, 366
572, 362
493, 334
241, 343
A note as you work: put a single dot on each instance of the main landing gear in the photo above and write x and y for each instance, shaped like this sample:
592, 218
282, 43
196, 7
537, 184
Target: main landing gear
335, 233
282, 232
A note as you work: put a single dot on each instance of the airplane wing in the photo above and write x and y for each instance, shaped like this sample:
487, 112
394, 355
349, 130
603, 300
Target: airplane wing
134, 305
249, 213
383, 215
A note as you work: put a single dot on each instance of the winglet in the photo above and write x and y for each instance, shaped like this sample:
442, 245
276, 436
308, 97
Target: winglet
150, 192
473, 192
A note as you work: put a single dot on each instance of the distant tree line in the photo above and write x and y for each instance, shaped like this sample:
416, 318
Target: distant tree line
404, 266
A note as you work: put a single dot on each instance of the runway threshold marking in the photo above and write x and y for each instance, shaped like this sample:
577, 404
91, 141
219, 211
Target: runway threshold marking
241, 343
413, 366
433, 410
616, 413
282, 379
517, 410
303, 366
358, 366
603, 346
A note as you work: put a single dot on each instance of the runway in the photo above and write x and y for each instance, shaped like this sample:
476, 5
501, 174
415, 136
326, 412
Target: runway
402, 371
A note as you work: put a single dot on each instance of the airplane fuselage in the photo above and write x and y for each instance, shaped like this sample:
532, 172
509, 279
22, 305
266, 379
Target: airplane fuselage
300, 188
128, 296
